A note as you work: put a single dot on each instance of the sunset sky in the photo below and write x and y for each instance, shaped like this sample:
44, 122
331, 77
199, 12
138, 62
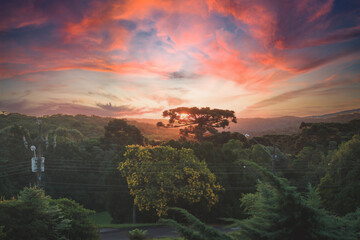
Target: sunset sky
136, 58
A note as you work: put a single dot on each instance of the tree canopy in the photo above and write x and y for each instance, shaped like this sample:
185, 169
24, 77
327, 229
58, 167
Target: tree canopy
339, 187
198, 121
118, 132
158, 175
277, 212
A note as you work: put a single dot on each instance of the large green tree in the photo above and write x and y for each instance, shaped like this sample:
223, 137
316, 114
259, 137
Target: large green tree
339, 188
80, 225
118, 133
157, 176
15, 161
198, 121
278, 211
308, 166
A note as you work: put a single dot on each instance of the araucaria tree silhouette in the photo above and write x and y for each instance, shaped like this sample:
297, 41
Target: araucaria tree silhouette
197, 121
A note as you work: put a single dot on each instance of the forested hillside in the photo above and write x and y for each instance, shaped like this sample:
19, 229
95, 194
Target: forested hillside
84, 164
288, 124
93, 126
88, 126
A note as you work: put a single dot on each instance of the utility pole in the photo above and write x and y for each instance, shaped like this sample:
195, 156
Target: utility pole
38, 161
39, 156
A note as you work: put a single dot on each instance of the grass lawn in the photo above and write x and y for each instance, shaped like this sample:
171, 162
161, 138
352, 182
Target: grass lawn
103, 220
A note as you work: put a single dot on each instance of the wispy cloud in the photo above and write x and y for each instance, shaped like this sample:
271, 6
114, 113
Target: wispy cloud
325, 87
118, 109
171, 101
105, 95
49, 108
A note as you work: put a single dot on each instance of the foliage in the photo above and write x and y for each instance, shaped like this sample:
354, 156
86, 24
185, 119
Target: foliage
88, 126
119, 133
308, 166
339, 188
36, 216
2, 233
81, 226
13, 157
137, 234
197, 229
74, 170
32, 216
68, 134
222, 160
198, 121
278, 211
158, 175
82, 166
221, 138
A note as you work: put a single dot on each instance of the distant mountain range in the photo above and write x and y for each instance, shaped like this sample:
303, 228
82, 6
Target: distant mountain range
289, 124
329, 115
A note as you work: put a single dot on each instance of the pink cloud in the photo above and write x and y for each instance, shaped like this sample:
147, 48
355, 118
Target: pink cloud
256, 44
324, 9
85, 42
171, 101
14, 15
259, 17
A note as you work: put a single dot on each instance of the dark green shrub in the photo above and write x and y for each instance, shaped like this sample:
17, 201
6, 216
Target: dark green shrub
137, 234
36, 216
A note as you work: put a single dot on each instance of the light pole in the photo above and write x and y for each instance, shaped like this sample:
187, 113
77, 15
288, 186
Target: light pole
273, 157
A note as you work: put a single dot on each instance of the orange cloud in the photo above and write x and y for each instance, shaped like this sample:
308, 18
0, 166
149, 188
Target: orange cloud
254, 45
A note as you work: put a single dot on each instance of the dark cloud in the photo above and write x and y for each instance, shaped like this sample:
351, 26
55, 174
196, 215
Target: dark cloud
127, 24
307, 23
181, 75
337, 36
113, 108
28, 36
313, 61
55, 107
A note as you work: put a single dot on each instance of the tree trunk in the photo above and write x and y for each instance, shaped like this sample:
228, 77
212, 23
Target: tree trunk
134, 214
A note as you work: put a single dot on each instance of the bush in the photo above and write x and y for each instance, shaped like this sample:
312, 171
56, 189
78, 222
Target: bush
36, 216
81, 226
2, 234
137, 234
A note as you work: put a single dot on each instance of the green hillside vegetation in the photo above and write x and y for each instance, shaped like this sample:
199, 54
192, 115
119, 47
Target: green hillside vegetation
88, 126
84, 167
